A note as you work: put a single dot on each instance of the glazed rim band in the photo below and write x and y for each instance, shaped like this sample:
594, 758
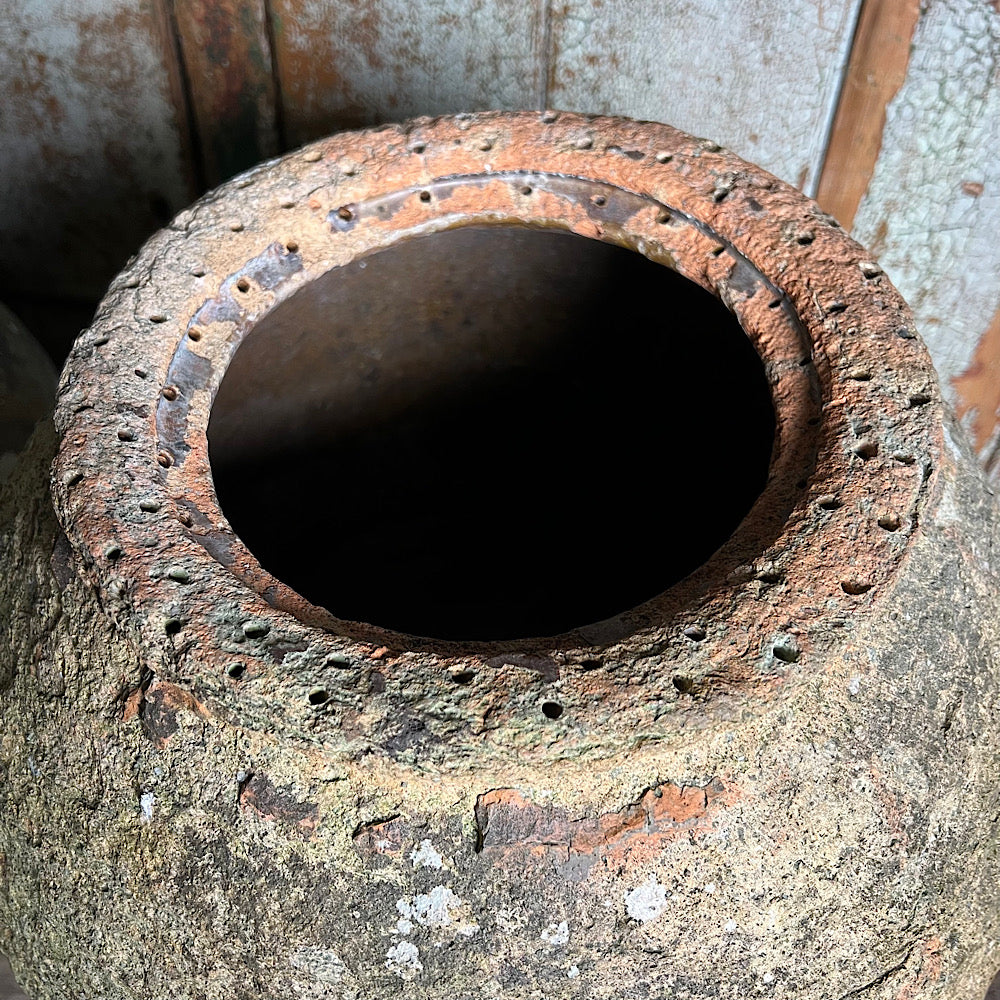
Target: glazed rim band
858, 416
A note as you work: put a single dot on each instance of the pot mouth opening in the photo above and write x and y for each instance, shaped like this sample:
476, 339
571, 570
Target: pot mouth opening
491, 432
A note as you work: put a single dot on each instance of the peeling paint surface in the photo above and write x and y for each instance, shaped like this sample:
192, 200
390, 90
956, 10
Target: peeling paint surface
355, 63
932, 211
93, 145
761, 78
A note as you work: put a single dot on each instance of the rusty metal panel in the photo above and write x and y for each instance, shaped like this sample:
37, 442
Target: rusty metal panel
93, 144
226, 55
932, 210
760, 77
356, 63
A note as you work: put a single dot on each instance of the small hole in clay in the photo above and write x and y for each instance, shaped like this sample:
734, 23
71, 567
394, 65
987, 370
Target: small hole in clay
599, 200
866, 450
787, 652
526, 189
194, 334
425, 196
465, 677
169, 392
292, 247
172, 626
418, 147
889, 522
682, 683
318, 696
855, 587
126, 434
243, 285
552, 709
236, 670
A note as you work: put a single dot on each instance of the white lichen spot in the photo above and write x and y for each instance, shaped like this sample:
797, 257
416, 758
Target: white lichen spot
404, 925
439, 908
146, 801
709, 887
556, 933
320, 963
646, 902
572, 972
433, 909
854, 687
425, 856
768, 978
404, 959
731, 927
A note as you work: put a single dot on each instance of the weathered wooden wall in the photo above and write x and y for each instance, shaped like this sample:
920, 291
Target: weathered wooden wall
119, 112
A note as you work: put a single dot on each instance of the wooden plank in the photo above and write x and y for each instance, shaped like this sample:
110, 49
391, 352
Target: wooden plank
932, 210
877, 69
94, 143
760, 77
227, 61
353, 63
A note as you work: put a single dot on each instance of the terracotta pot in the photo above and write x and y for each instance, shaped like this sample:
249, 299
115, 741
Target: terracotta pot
458, 379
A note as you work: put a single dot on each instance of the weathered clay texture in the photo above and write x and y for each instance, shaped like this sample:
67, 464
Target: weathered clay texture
778, 778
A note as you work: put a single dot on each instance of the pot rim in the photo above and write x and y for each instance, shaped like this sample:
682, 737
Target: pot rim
857, 407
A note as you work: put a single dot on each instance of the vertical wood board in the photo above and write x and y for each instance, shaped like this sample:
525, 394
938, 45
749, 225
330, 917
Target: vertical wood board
932, 211
759, 77
227, 60
94, 148
354, 63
